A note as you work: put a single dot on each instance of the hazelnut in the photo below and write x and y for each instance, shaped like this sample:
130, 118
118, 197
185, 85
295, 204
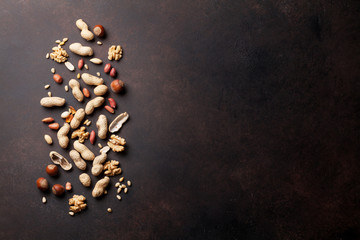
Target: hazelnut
99, 30
58, 190
52, 170
117, 86
42, 184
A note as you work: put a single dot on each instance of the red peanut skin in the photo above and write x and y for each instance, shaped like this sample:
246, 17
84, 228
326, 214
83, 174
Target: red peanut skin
113, 72
80, 63
57, 78
92, 137
112, 102
109, 109
54, 126
86, 92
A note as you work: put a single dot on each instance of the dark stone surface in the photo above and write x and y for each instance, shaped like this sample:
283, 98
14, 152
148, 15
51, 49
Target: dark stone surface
244, 119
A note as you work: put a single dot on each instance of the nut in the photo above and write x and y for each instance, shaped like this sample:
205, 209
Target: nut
69, 66
86, 66
77, 119
107, 68
98, 167
116, 143
65, 114
80, 63
117, 123
98, 74
109, 109
48, 139
81, 134
92, 104
113, 72
99, 30
85, 33
52, 101
47, 120
100, 187
81, 50
92, 137
47, 86
58, 189
58, 159
54, 126
101, 125
91, 79
77, 203
96, 60
100, 90
52, 70
109, 210
57, 78
79, 162
86, 154
117, 86
112, 102
129, 183
43, 200
49, 94
68, 186
42, 184
52, 170
62, 135
75, 86
59, 54
66, 88
99, 43
115, 52
85, 179
111, 168
86, 92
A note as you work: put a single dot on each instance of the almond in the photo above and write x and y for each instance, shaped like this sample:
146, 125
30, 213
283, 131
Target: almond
48, 120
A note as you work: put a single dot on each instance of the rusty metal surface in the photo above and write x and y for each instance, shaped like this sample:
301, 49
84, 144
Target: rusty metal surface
244, 119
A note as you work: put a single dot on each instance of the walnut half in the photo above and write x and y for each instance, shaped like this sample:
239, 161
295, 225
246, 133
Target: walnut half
81, 134
116, 143
111, 168
77, 203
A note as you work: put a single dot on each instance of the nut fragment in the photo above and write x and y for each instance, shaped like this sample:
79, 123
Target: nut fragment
77, 203
66, 88
125, 190
99, 43
48, 139
81, 134
59, 54
99, 145
111, 168
47, 55
109, 109
60, 160
54, 126
96, 60
115, 52
78, 76
80, 63
117, 184
53, 70
47, 86
109, 210
68, 186
129, 183
69, 66
43, 200
105, 149
71, 213
118, 197
121, 179
86, 66
117, 123
49, 94
65, 114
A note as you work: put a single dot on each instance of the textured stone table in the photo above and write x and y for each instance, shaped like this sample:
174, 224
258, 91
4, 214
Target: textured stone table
244, 119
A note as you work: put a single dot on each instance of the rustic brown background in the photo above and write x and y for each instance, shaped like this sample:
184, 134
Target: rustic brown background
244, 119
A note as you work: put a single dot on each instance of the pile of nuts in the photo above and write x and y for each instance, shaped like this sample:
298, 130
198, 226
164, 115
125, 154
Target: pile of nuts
75, 121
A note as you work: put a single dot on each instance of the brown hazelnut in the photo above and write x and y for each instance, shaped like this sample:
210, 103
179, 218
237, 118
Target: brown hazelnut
117, 86
52, 170
58, 190
42, 184
99, 30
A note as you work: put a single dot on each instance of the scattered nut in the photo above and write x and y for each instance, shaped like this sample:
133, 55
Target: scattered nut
49, 94
100, 90
53, 70
43, 200
54, 126
99, 30
100, 187
118, 197
62, 135
119, 190
58, 190
80, 63
71, 213
48, 139
77, 203
125, 190
52, 170
47, 120
98, 74
81, 50
85, 179
42, 184
47, 86
109, 109
107, 68
88, 123
69, 66
98, 167
68, 186
109, 210
65, 40
113, 72
96, 60
85, 33
86, 66
86, 92
99, 145
129, 183
65, 114
81, 134
117, 123
57, 41
99, 43
111, 168
77, 119
66, 88
47, 55
117, 184
79, 162
60, 160
121, 179
78, 76
52, 101
115, 52
117, 86
57, 78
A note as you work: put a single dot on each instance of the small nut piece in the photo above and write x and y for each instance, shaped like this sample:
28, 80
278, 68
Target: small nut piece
57, 78
86, 92
77, 203
54, 126
117, 86
48, 139
68, 186
116, 143
47, 120
109, 109
113, 72
79, 162
92, 137
85, 179
111, 168
117, 123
